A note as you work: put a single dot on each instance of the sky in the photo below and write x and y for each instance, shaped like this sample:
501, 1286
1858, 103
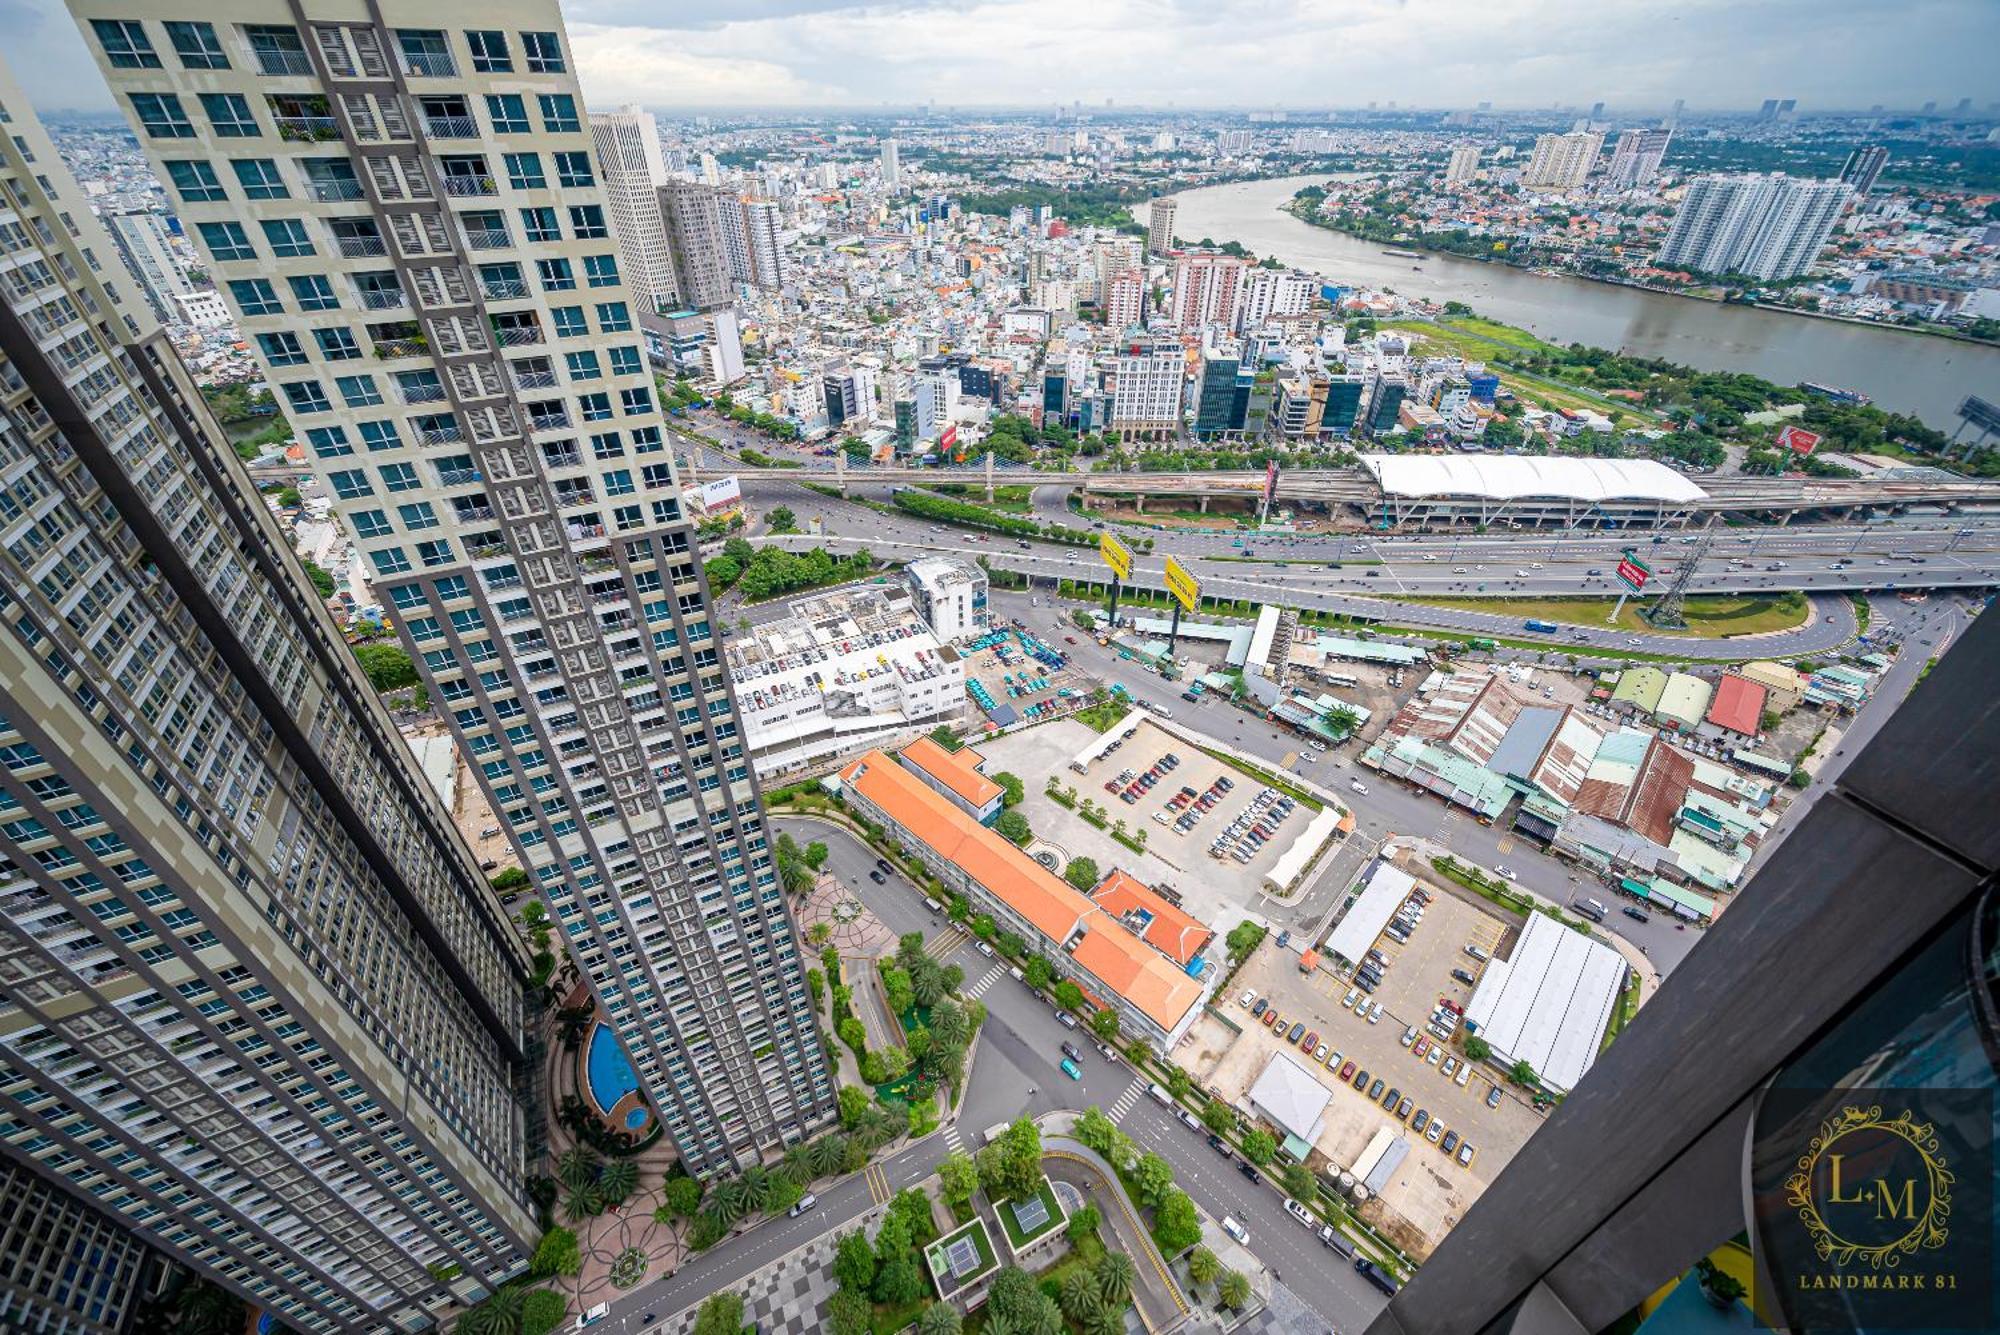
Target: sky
1638, 54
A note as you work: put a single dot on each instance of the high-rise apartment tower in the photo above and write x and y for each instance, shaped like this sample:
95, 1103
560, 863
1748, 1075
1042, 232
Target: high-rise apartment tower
628, 154
1160, 226
427, 271
1863, 166
1464, 164
892, 171
1635, 161
1562, 161
257, 1004
1764, 226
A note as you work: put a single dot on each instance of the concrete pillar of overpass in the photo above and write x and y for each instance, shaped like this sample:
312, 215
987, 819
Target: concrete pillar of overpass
840, 472
1139, 503
989, 477
1204, 504
1785, 520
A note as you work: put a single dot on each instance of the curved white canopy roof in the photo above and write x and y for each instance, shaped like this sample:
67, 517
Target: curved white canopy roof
1521, 477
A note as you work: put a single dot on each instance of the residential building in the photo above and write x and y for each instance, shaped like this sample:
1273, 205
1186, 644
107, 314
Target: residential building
1205, 289
1265, 295
1768, 227
936, 392
950, 595
1111, 256
628, 155
202, 308
763, 231
850, 395
1464, 164
143, 242
1562, 161
1635, 161
1385, 403
502, 467
1146, 396
847, 669
1160, 226
1863, 166
703, 346
736, 239
1125, 299
66, 1266
892, 172
261, 1007
697, 242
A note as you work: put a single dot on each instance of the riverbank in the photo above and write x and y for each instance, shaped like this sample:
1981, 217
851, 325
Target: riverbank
1707, 296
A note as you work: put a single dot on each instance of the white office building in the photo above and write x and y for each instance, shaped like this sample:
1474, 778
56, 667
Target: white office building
950, 595
1273, 294
763, 231
628, 155
1150, 375
202, 308
1464, 164
1768, 227
892, 170
1160, 226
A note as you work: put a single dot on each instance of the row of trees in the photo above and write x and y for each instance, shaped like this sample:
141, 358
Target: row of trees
1150, 1179
763, 572
887, 1273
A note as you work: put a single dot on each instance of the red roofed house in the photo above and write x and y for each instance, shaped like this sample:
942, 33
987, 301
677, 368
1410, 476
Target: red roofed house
956, 774
1148, 916
1738, 705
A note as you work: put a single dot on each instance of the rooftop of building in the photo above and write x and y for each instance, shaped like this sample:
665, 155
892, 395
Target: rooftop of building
1523, 477
957, 770
1144, 912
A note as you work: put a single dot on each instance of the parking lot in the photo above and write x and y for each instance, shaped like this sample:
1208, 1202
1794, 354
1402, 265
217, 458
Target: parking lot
1418, 973
1022, 671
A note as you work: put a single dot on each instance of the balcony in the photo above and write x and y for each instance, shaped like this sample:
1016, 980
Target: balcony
534, 379
485, 551
430, 64
504, 581
466, 512
451, 127
307, 129
334, 192
463, 186
503, 289
447, 435
384, 298
390, 348
422, 393
487, 238
518, 336
557, 421
361, 247
279, 62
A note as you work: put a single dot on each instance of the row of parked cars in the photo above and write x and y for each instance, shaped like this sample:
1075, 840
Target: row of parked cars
1131, 785
1403, 1108
1256, 826
1189, 805
1332, 1239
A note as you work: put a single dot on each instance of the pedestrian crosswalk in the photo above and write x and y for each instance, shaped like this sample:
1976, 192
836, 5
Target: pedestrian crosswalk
986, 980
947, 942
1123, 1104
952, 1140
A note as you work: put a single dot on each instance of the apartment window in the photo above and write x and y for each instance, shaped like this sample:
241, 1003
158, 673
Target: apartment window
544, 52
125, 44
259, 178
372, 524
489, 51
308, 396
507, 112
573, 169
226, 240
390, 561
626, 361
281, 349
399, 477
287, 237
618, 482
636, 402
583, 365
195, 180
602, 270
426, 51
608, 445
568, 321
540, 225
328, 442
358, 391
613, 317
435, 553
558, 113
255, 296
556, 275
647, 440
313, 292
594, 407
417, 516
586, 222
348, 483
337, 345
197, 45
524, 171
229, 115
162, 116
380, 435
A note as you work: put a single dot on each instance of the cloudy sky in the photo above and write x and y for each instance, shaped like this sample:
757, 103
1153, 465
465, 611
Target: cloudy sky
1214, 53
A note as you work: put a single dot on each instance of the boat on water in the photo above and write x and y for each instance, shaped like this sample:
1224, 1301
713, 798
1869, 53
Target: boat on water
1836, 393
1405, 254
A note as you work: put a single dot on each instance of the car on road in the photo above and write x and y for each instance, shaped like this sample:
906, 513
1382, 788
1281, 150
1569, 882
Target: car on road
1071, 1069
1065, 1019
806, 1202
1507, 872
1315, 744
1219, 1145
1071, 1050
1636, 915
1236, 1230
1249, 1170
1299, 1212
1069, 639
1493, 1097
1375, 1275
883, 865
1358, 786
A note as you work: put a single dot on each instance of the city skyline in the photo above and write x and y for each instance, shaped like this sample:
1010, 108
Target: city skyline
826, 55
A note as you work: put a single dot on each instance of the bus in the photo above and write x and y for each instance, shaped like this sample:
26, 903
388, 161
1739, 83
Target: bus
1340, 679
1545, 627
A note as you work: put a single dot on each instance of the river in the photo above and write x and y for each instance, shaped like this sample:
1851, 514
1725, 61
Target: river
1905, 372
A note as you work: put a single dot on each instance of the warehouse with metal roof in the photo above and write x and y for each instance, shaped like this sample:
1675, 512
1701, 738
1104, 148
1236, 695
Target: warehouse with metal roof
1564, 492
1548, 1003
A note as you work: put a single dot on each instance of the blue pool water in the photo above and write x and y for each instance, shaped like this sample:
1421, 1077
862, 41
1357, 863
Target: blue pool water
611, 1077
636, 1118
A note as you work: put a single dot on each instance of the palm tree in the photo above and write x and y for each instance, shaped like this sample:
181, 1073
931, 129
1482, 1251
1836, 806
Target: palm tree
827, 1154
498, 1315
618, 1180
756, 1184
578, 1168
1202, 1267
797, 1165
997, 1323
941, 1319
1115, 1277
1081, 1299
580, 1203
1235, 1290
729, 1202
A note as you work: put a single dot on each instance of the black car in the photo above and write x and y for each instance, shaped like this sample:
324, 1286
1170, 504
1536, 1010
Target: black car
883, 863
1072, 1051
1375, 1275
878, 878
1249, 1170
1220, 1146
1636, 915
1463, 977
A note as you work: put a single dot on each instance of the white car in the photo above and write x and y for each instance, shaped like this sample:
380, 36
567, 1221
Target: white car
1236, 1230
1315, 744
1507, 872
1248, 998
1300, 1213
1358, 786
1435, 1131
1374, 1012
1353, 995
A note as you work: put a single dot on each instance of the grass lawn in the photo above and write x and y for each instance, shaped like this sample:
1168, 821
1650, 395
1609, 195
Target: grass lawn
1013, 500
1621, 1015
1482, 340
1707, 617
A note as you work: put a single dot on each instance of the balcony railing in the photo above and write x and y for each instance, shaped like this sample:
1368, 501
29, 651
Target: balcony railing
503, 289
486, 550
384, 298
503, 581
335, 191
562, 460
389, 348
517, 336
430, 64
422, 393
487, 238
470, 185
478, 512
307, 129
360, 247
282, 62
446, 435
534, 379
451, 127
548, 421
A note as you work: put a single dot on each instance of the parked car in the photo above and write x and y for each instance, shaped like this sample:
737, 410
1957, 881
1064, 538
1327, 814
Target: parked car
1493, 1097
1236, 1230
1375, 1274
1636, 915
1375, 1089
1435, 1131
1310, 1041
806, 1202
1065, 1019
1465, 1154
1298, 1031
1450, 1142
1421, 1120
1259, 1006
1299, 1212
1329, 1236
1360, 1080
1071, 1050
1249, 996
1249, 1170
1071, 1069
1462, 976
1219, 1145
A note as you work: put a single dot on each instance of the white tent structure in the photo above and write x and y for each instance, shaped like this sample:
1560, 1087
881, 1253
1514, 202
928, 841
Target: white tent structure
1288, 1096
1357, 929
1549, 1002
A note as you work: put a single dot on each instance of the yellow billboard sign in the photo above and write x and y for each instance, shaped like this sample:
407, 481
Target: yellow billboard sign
1116, 555
1185, 588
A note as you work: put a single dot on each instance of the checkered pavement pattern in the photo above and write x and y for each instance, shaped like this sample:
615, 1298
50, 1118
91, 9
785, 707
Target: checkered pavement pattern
790, 1297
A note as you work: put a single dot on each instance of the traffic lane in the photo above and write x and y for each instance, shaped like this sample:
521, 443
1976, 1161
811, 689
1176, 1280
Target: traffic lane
1319, 1277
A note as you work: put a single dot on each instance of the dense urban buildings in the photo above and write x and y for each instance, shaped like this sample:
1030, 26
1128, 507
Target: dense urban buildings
434, 290
1767, 227
261, 1007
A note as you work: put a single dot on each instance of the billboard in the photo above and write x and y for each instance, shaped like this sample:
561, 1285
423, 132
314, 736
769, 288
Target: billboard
948, 439
1798, 440
1634, 572
1270, 483
1116, 555
1185, 588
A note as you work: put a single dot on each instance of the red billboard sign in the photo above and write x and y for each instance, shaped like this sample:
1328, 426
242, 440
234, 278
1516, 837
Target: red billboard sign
1633, 573
1270, 483
949, 438
1799, 440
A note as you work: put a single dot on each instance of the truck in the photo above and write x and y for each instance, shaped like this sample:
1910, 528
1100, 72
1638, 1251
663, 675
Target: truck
1487, 646
1543, 627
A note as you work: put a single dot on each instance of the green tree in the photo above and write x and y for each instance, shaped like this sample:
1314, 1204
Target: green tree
386, 667
1235, 1291
1011, 825
1069, 996
896, 1276
684, 1195
853, 1105
939, 1319
1038, 973
556, 1254
1299, 1184
1477, 1049
1176, 1226
542, 1311
1083, 1223
1013, 790
1243, 938
1152, 1179
618, 1180
1081, 1301
848, 1313
720, 1314
854, 1263
1082, 873
1115, 1277
1215, 1115
958, 1178
1095, 1130
322, 579
1105, 1025
500, 1314
782, 520
816, 854
1258, 1147
1202, 1267
1523, 1073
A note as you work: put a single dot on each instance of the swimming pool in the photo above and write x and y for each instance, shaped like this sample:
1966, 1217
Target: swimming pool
610, 1071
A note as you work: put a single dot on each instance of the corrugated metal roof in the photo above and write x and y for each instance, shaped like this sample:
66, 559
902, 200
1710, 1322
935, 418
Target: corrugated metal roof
1549, 1002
